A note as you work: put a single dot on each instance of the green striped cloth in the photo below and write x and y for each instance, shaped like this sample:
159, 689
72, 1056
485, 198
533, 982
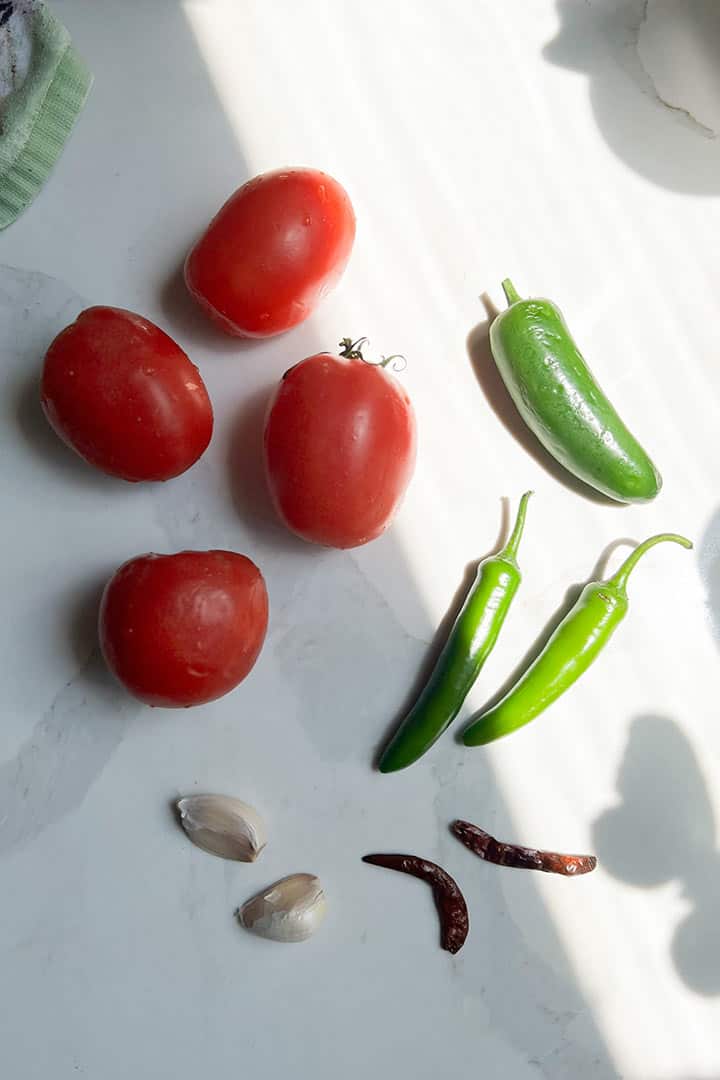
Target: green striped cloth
43, 86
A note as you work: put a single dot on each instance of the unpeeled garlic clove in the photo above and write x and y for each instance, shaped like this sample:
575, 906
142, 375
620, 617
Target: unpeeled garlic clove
223, 826
290, 910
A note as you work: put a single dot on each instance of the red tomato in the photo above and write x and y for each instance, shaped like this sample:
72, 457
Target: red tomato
339, 449
180, 630
276, 247
123, 395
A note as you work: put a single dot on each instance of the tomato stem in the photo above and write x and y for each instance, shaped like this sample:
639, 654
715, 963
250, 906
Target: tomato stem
352, 350
399, 365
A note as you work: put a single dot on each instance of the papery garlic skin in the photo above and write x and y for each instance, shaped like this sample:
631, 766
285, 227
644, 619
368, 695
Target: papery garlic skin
223, 826
290, 910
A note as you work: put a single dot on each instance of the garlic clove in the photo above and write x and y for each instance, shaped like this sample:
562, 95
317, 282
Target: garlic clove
290, 910
223, 826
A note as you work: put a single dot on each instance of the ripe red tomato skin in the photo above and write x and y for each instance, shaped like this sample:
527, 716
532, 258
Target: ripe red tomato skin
121, 393
184, 629
272, 251
340, 446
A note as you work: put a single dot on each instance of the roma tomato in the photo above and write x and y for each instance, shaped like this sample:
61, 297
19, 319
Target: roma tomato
125, 397
339, 449
180, 630
276, 247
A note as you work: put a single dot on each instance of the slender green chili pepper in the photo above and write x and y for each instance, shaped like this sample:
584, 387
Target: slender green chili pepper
569, 651
559, 400
467, 648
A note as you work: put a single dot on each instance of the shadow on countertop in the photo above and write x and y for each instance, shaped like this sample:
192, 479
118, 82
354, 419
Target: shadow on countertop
663, 827
663, 830
709, 567
657, 139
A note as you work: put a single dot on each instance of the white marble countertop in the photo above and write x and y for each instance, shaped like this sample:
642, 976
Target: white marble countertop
570, 145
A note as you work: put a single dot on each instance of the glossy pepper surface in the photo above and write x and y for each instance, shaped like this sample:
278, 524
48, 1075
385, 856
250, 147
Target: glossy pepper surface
560, 401
468, 646
570, 650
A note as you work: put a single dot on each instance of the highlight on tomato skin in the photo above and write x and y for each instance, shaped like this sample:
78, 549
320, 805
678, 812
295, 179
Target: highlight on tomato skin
183, 629
272, 252
124, 396
340, 446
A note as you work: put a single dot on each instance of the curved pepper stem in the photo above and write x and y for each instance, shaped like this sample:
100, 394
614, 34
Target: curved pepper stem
511, 294
619, 578
511, 548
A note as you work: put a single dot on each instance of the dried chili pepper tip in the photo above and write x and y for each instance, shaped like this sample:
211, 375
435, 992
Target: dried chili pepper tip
450, 902
521, 858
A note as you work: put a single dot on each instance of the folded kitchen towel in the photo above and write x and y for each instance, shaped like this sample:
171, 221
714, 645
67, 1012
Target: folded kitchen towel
43, 86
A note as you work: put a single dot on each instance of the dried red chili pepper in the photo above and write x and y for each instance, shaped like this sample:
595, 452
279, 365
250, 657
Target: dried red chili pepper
450, 902
523, 858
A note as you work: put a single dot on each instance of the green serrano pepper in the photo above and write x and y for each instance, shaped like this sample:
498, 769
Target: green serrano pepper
569, 651
468, 646
559, 400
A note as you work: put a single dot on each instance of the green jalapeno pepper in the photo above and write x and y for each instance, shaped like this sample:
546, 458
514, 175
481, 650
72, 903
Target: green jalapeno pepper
559, 400
468, 646
569, 651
